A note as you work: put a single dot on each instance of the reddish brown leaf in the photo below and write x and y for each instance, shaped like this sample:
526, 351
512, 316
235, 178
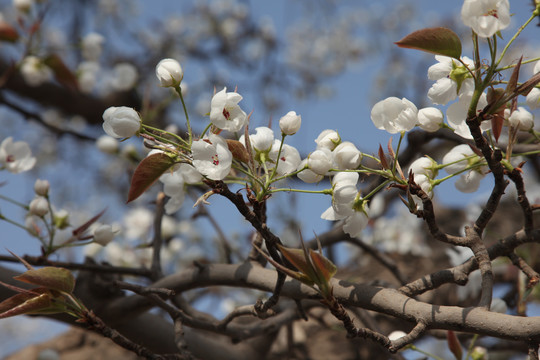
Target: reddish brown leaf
81, 229
8, 33
497, 122
297, 258
322, 265
24, 304
238, 150
147, 173
454, 345
512, 82
528, 85
62, 73
55, 278
382, 157
438, 40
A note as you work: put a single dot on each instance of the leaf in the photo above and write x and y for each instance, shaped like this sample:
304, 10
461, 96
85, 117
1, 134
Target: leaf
147, 173
438, 41
382, 157
62, 73
512, 82
298, 258
528, 85
322, 265
8, 32
81, 229
497, 122
24, 304
238, 150
293, 274
454, 345
55, 278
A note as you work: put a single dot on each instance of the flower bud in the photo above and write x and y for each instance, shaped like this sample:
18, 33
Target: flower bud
103, 234
107, 144
61, 219
430, 119
121, 122
290, 123
169, 72
41, 187
328, 139
320, 161
39, 206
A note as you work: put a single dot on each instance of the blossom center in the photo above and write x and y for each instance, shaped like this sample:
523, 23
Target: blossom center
227, 114
10, 158
492, 12
215, 160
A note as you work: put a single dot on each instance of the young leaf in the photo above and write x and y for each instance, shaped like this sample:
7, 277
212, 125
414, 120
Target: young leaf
512, 82
147, 173
49, 277
438, 41
323, 266
298, 258
24, 304
238, 150
62, 73
454, 345
8, 32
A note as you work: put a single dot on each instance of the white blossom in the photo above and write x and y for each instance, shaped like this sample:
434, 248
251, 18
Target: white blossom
212, 157
289, 159
121, 122
34, 71
456, 158
174, 184
290, 123
103, 234
16, 157
486, 17
169, 73
225, 113
92, 46
320, 161
107, 144
328, 139
451, 79
456, 115
346, 156
520, 119
306, 175
125, 76
394, 115
430, 119
533, 98
39, 206
41, 187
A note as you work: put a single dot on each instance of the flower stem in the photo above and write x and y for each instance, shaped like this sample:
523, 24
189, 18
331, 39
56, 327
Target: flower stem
188, 124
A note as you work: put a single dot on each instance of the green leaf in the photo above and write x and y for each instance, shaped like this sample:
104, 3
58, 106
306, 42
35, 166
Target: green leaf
25, 303
147, 173
324, 267
55, 278
438, 41
299, 259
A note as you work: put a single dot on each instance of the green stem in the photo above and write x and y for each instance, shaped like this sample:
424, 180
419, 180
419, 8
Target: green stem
522, 27
323, 192
182, 143
188, 124
24, 206
412, 347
